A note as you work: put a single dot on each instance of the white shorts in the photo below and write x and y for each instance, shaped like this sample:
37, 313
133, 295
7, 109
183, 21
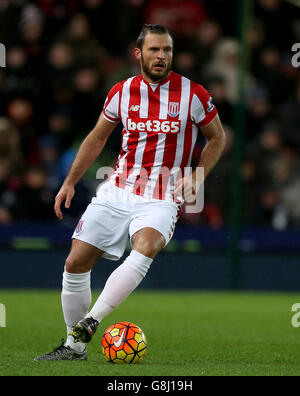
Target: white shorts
116, 213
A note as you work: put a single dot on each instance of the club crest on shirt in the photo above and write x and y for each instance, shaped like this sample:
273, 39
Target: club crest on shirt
173, 109
78, 229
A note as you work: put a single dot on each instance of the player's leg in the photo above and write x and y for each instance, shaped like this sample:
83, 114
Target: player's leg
75, 298
147, 243
151, 226
76, 290
101, 231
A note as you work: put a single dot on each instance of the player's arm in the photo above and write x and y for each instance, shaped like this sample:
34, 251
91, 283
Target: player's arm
89, 150
211, 153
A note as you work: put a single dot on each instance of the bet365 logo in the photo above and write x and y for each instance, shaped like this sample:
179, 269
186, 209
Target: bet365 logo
2, 55
2, 315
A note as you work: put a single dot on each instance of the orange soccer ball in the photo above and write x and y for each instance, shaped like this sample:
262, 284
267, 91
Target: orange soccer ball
124, 343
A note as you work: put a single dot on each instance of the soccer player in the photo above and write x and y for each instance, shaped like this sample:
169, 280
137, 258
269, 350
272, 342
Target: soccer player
162, 113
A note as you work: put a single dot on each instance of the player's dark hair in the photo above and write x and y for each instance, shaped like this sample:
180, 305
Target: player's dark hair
150, 28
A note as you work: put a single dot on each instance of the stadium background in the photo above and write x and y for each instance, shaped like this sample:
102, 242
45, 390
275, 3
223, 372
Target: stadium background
61, 60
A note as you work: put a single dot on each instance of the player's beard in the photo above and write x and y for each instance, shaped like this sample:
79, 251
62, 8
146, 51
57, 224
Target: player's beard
158, 76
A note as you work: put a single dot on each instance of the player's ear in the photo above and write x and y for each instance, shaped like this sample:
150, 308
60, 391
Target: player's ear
137, 53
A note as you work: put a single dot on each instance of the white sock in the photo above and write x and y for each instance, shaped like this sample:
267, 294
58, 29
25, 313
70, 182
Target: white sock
120, 284
76, 300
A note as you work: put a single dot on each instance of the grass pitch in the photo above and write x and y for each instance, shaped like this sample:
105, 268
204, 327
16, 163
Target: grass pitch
188, 333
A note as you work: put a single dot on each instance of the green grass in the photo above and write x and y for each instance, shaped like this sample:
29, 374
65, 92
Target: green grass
189, 333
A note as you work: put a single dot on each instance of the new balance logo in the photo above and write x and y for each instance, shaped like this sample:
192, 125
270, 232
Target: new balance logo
140, 125
134, 108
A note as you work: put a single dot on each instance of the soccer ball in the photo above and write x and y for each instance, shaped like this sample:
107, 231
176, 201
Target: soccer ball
124, 343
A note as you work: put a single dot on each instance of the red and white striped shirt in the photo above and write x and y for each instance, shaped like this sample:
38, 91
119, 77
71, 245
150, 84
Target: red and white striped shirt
161, 124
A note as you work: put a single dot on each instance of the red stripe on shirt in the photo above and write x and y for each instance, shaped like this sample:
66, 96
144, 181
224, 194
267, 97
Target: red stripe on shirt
134, 99
151, 144
170, 142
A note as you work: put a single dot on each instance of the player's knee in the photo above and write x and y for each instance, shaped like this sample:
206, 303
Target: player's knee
148, 242
148, 247
74, 266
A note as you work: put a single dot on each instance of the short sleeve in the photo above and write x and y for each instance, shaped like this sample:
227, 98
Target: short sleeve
111, 109
203, 111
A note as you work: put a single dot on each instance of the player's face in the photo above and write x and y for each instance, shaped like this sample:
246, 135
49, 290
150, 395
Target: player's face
156, 56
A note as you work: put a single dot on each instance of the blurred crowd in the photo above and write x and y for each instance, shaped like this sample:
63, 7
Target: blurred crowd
63, 57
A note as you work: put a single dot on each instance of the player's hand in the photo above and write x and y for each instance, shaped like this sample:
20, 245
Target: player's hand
187, 187
66, 193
